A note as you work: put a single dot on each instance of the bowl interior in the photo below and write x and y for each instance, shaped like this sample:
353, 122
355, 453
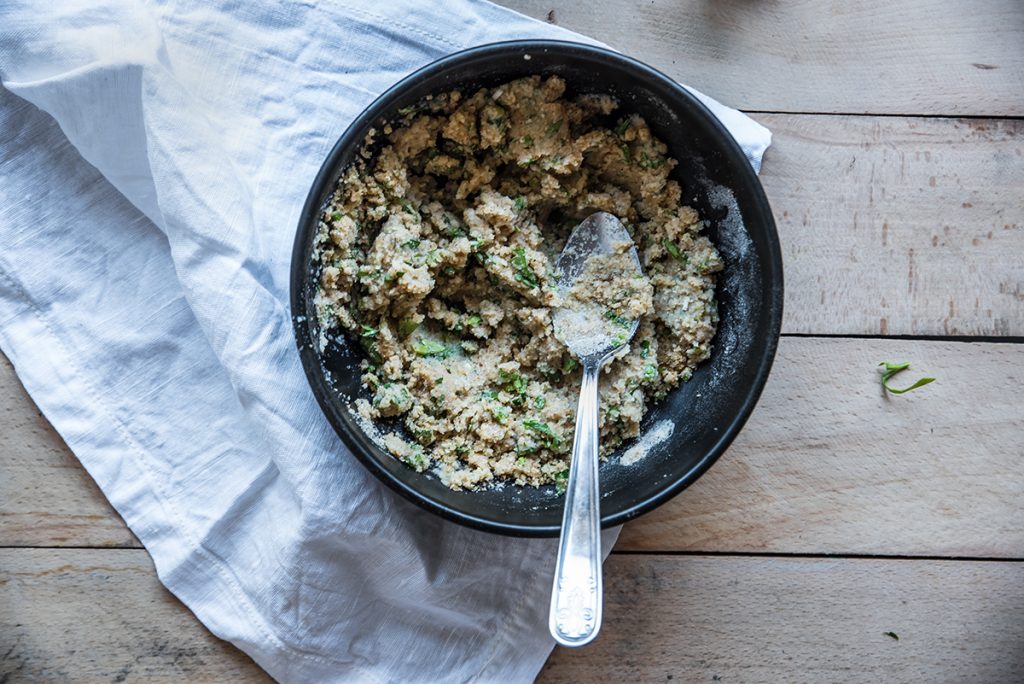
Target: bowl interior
696, 421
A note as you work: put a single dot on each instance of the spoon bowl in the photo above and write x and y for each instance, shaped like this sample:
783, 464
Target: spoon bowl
576, 596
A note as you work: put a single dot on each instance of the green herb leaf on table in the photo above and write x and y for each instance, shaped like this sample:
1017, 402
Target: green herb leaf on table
892, 635
892, 369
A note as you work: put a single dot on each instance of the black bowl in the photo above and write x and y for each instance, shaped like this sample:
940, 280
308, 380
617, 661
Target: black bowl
705, 413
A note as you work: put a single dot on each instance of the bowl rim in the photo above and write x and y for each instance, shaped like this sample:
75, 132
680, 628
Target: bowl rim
310, 356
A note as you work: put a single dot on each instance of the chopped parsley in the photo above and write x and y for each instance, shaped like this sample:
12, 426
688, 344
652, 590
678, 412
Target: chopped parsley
673, 249
524, 273
336, 215
892, 369
539, 401
520, 203
501, 412
427, 347
892, 635
551, 440
554, 127
473, 320
515, 384
618, 320
416, 458
368, 331
411, 244
645, 348
489, 394
626, 154
411, 109
650, 372
568, 364
561, 481
407, 326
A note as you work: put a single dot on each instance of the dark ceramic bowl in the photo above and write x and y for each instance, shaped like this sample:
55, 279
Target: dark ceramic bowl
704, 414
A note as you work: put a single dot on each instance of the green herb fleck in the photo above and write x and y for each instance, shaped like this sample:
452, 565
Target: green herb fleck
626, 155
892, 369
524, 273
568, 364
489, 394
336, 215
411, 244
416, 458
539, 401
368, 331
411, 109
554, 127
406, 327
427, 347
473, 321
501, 412
650, 372
645, 348
520, 203
551, 440
372, 353
892, 635
623, 126
617, 319
673, 249
408, 209
561, 481
515, 384
527, 141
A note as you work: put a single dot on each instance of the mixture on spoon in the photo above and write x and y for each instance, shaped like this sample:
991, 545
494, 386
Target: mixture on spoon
436, 253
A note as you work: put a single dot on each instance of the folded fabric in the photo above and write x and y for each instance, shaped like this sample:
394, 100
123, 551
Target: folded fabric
154, 157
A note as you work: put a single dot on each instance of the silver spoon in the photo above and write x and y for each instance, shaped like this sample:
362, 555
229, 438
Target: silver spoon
576, 596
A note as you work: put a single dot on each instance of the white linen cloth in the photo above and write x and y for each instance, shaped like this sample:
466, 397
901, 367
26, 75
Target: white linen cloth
145, 238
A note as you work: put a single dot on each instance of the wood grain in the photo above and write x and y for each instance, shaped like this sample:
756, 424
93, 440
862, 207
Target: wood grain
899, 226
912, 57
826, 464
793, 620
46, 497
92, 615
101, 615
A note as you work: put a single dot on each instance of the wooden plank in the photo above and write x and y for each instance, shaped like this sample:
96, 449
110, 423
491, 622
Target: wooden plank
772, 620
857, 56
46, 497
825, 465
89, 615
899, 226
102, 615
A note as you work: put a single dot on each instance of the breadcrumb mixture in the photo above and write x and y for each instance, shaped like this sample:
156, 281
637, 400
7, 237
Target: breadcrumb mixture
436, 252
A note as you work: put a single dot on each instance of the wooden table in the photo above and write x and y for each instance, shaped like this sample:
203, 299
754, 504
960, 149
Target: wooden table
841, 518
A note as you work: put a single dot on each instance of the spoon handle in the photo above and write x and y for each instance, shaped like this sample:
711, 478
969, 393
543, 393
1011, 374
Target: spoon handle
575, 616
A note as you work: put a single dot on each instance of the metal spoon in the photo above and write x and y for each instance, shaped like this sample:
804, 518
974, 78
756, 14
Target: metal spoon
575, 616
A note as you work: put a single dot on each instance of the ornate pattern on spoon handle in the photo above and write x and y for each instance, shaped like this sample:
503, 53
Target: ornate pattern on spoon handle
575, 616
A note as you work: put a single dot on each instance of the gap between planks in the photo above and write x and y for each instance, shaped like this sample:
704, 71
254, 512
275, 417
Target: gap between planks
827, 465
926, 56
89, 615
